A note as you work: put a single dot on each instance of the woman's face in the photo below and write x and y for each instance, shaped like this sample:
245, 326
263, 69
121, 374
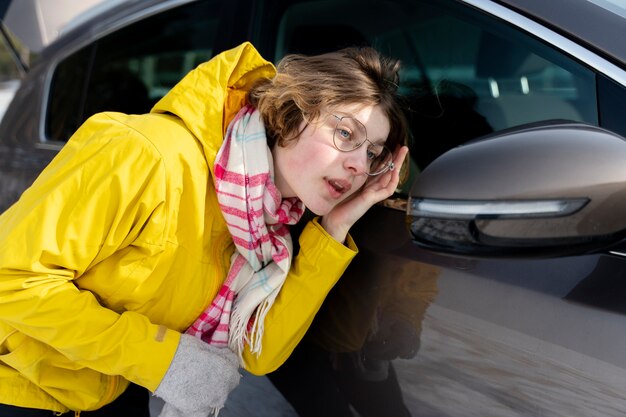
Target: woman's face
312, 169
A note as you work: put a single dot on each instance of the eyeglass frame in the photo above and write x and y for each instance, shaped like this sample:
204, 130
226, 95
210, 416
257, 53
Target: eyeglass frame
387, 167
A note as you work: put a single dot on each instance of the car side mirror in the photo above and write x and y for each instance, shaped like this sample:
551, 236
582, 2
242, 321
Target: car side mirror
543, 190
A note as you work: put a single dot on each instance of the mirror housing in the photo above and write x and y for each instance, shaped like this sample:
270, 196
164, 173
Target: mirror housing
542, 190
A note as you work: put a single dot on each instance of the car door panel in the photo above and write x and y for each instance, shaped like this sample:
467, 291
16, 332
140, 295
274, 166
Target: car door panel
497, 337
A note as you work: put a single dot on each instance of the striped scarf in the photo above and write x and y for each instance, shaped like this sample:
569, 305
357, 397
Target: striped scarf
256, 216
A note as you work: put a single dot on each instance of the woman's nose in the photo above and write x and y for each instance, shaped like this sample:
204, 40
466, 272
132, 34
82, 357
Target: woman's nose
356, 161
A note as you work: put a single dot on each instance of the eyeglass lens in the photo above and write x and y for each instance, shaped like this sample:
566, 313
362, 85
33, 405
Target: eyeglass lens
350, 134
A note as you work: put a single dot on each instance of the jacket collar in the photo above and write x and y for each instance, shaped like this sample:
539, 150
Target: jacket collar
208, 97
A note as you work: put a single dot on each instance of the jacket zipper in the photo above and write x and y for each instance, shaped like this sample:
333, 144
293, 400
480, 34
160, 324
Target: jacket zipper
106, 399
112, 389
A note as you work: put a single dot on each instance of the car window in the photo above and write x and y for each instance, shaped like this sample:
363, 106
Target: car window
465, 74
130, 69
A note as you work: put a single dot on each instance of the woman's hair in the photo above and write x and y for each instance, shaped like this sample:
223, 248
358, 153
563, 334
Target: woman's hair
306, 85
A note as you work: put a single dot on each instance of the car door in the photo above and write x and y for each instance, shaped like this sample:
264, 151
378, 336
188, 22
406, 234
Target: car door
497, 337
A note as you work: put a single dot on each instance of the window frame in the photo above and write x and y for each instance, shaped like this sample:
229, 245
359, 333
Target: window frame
86, 40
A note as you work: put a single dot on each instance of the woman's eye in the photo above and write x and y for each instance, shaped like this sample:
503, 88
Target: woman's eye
373, 152
344, 134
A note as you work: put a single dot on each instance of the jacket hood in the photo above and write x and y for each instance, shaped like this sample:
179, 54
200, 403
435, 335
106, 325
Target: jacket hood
209, 96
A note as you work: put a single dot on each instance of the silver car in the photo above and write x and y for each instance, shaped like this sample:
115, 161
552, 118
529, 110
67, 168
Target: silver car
494, 282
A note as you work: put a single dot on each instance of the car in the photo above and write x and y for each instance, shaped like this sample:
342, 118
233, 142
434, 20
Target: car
497, 271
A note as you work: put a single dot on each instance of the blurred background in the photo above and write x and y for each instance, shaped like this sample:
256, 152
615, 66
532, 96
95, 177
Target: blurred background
28, 26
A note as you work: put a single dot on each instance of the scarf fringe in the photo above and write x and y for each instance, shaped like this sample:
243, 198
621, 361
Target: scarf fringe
248, 331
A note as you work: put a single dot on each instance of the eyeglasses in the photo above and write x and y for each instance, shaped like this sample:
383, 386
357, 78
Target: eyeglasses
350, 134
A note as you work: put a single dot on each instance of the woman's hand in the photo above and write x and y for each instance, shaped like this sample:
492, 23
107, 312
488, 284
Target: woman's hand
341, 218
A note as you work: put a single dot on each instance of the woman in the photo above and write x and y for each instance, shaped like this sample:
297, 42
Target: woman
153, 243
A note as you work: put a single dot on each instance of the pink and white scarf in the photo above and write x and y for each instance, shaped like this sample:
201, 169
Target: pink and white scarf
256, 216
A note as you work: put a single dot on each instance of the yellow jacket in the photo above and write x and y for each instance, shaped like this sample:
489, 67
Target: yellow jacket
119, 245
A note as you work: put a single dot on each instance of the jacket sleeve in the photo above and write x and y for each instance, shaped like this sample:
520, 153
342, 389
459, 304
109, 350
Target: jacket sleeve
92, 200
318, 266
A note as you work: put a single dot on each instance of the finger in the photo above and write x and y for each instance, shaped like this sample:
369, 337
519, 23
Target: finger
399, 157
393, 179
393, 174
399, 161
383, 186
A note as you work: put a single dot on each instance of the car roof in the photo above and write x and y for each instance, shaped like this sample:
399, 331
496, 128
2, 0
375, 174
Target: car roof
598, 24
36, 23
584, 21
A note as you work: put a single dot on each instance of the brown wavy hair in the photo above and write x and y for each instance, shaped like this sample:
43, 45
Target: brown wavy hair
306, 85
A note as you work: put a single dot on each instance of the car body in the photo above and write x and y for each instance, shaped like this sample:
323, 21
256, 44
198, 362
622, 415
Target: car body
518, 312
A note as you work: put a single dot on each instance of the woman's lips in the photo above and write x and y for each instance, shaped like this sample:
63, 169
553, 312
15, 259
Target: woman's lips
338, 187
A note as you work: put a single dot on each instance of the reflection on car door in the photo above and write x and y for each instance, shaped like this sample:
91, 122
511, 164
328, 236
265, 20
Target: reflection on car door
495, 337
